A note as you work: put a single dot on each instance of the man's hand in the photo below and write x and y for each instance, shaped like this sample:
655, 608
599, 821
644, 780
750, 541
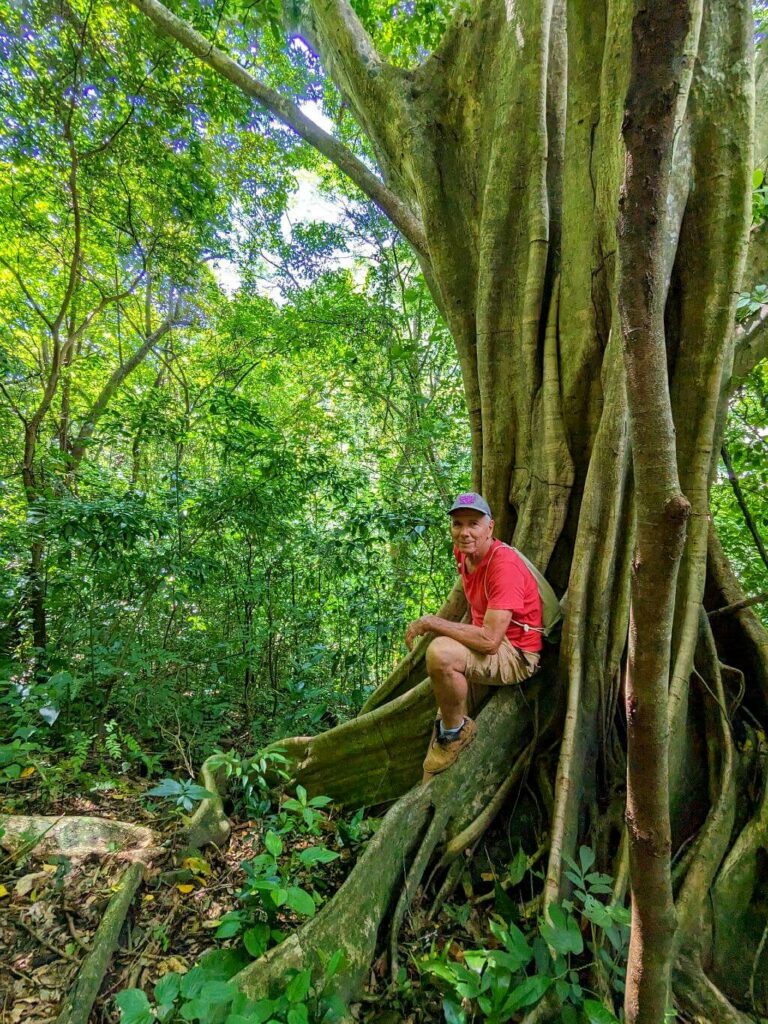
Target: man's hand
417, 628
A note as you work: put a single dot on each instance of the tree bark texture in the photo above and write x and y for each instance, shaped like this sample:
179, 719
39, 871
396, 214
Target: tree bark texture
660, 76
501, 156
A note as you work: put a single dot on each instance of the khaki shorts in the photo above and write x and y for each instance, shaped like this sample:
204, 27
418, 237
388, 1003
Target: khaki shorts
509, 665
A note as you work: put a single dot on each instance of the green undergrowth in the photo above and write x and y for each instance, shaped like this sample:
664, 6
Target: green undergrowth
577, 953
304, 851
496, 965
206, 994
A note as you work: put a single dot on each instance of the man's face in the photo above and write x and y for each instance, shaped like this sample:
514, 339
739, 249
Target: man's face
471, 531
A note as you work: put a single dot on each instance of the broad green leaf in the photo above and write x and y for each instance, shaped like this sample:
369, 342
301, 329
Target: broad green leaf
134, 1007
256, 939
298, 987
528, 993
518, 867
320, 801
167, 989
317, 855
596, 1013
273, 843
217, 992
453, 1012
300, 901
333, 965
586, 858
231, 924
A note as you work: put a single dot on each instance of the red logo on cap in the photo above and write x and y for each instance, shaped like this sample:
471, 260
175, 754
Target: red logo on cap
466, 499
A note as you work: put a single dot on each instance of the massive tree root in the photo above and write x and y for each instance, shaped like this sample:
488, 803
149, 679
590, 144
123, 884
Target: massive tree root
368, 910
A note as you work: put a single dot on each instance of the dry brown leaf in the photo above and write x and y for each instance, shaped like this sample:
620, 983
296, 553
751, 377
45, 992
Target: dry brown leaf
173, 964
28, 883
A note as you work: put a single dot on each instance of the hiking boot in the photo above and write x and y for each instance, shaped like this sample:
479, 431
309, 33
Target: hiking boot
442, 751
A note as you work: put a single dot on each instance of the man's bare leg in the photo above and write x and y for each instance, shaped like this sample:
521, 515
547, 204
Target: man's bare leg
446, 661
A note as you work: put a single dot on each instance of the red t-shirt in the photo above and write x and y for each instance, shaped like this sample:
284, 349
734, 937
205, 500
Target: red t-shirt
510, 587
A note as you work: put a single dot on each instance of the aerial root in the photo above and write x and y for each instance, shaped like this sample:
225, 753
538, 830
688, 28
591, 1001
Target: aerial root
413, 879
209, 825
447, 888
712, 842
476, 828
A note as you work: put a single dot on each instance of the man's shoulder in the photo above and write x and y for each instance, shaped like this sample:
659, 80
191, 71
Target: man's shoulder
507, 559
506, 555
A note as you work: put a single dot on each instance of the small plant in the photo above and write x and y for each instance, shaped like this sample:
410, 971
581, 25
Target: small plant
357, 830
270, 887
607, 921
206, 994
16, 756
257, 776
752, 302
517, 974
184, 794
303, 813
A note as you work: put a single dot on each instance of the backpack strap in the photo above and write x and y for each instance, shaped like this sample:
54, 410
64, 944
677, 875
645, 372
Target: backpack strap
525, 626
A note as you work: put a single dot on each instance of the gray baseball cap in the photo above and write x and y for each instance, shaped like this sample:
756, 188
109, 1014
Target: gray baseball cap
475, 502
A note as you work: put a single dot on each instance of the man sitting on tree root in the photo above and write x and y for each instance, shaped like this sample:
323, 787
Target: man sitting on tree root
501, 645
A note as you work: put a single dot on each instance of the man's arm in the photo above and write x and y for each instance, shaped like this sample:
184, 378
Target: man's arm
484, 639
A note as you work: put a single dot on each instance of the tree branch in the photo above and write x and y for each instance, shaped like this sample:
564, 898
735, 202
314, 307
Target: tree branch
345, 31
27, 293
74, 266
737, 606
289, 113
13, 407
751, 525
116, 379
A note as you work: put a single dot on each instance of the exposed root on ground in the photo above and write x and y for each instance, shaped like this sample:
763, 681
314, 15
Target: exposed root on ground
700, 999
78, 1004
76, 837
355, 918
209, 825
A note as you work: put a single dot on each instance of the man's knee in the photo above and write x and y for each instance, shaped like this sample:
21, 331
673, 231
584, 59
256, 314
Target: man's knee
445, 654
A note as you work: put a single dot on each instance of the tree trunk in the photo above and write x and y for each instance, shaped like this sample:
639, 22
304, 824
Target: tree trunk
502, 158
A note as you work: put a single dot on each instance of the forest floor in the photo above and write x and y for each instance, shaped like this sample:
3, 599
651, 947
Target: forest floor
51, 907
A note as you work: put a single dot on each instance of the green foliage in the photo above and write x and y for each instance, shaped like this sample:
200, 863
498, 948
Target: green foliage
521, 969
283, 877
184, 794
752, 302
256, 776
206, 994
745, 439
303, 813
759, 196
16, 755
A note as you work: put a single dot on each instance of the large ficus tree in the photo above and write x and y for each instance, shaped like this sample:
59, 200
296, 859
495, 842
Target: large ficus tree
575, 178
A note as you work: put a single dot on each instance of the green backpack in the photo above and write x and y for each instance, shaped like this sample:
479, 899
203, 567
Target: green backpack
551, 609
